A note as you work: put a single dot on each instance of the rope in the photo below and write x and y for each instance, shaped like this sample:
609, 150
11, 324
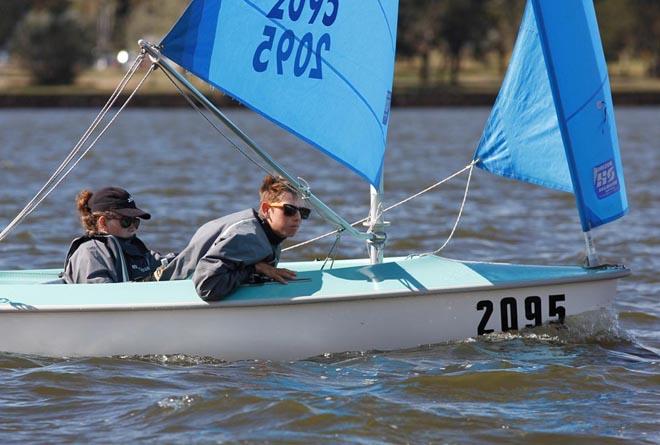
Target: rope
196, 107
460, 212
58, 176
469, 167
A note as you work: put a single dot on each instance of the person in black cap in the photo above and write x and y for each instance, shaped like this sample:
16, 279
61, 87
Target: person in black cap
109, 252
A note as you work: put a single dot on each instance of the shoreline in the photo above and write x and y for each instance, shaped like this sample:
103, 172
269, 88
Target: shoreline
402, 97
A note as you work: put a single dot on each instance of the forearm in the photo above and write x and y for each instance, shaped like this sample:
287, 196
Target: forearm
215, 284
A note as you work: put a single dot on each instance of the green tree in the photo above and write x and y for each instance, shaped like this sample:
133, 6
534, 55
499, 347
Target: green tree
505, 17
417, 35
647, 34
53, 45
11, 12
462, 22
617, 23
151, 20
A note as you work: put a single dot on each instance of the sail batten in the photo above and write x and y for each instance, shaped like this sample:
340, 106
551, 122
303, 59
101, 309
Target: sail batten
321, 70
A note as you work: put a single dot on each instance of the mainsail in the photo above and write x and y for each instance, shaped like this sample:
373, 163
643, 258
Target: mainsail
321, 69
553, 121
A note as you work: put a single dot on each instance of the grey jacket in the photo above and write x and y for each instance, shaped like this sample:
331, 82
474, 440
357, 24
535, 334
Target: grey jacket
108, 259
222, 254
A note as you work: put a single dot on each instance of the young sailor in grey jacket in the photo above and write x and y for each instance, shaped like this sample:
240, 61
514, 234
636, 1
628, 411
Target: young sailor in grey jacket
109, 252
231, 250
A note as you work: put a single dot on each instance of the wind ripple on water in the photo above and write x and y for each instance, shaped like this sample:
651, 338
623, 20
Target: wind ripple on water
596, 380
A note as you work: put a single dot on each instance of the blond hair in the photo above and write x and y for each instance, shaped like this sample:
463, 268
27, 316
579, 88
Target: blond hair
273, 189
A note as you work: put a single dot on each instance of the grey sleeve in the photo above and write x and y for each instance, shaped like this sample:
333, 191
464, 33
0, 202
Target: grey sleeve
227, 264
89, 264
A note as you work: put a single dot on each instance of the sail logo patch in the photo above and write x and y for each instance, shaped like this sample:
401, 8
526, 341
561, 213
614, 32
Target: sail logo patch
606, 181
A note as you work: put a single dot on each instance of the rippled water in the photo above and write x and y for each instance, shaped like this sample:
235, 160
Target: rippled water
596, 380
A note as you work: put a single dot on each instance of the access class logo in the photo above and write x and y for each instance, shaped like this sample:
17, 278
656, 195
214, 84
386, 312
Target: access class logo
605, 179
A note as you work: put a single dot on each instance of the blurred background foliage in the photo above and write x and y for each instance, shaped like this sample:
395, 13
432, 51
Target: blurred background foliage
440, 42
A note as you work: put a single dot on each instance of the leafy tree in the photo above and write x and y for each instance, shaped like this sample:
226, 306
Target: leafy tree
11, 12
617, 21
417, 35
504, 17
53, 45
647, 13
151, 20
462, 22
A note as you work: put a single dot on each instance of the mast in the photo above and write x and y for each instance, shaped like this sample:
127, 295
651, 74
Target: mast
592, 257
304, 190
376, 224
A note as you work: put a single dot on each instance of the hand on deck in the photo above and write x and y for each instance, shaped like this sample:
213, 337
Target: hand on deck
278, 274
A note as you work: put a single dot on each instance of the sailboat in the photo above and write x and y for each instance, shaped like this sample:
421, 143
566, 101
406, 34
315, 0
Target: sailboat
323, 71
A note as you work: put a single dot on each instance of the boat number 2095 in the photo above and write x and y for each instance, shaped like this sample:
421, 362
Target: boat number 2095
509, 312
291, 53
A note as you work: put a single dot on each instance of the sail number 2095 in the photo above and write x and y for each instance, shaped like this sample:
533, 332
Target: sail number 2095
532, 306
302, 54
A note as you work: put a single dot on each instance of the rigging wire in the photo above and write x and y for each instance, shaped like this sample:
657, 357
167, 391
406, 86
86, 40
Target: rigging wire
329, 256
71, 161
196, 107
469, 167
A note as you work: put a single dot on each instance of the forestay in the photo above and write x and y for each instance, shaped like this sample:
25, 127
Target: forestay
321, 69
553, 121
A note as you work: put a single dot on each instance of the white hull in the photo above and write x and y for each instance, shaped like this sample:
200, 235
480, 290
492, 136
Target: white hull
293, 330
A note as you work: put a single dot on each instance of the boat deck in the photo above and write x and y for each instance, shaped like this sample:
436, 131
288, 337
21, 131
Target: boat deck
347, 279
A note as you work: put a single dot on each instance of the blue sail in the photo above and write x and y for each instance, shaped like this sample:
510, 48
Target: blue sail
321, 69
553, 121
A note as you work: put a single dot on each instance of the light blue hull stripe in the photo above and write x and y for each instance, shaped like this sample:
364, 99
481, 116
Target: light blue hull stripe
21, 290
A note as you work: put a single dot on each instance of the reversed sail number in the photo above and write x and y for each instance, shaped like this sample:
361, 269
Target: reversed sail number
297, 7
509, 312
282, 45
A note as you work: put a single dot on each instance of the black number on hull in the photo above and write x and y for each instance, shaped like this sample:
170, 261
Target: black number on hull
555, 310
488, 306
509, 314
533, 311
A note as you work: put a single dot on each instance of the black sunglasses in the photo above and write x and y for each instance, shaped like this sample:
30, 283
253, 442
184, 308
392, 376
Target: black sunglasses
127, 221
291, 210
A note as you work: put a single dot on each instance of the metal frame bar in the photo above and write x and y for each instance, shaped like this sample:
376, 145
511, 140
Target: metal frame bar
327, 212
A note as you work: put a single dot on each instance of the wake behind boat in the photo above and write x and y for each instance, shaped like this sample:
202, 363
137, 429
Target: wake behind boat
305, 69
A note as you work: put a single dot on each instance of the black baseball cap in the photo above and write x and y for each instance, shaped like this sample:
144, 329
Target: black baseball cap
117, 200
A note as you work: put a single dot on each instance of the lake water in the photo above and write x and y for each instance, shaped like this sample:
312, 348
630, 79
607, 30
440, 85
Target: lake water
593, 381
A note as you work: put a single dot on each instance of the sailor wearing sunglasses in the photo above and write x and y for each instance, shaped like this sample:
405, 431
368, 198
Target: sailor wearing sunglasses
110, 251
241, 247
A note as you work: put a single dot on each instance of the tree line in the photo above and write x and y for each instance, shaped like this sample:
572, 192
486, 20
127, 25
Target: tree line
54, 39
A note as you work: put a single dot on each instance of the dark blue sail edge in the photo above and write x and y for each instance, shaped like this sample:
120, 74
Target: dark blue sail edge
190, 42
553, 121
323, 74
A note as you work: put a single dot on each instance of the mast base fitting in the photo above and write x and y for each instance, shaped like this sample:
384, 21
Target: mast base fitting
377, 238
